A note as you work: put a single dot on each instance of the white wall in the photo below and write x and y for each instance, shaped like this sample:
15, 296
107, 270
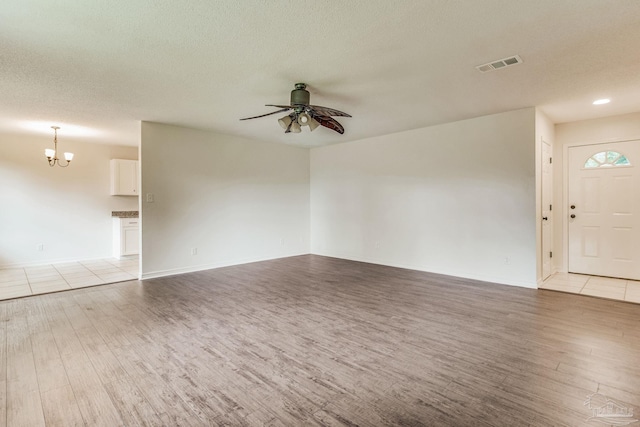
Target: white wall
68, 210
233, 199
457, 199
609, 129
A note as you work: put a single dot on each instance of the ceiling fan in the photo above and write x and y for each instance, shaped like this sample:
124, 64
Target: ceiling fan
304, 114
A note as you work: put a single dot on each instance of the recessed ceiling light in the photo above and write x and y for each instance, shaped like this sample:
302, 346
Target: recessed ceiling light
601, 101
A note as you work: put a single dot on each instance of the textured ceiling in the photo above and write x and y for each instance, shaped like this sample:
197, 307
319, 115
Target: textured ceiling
97, 68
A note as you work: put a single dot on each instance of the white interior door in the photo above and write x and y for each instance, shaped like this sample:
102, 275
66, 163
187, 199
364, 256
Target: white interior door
604, 210
547, 200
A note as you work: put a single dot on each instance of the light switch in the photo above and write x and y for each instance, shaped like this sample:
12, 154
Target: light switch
149, 197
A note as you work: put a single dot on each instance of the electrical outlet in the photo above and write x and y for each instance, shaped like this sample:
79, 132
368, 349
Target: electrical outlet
281, 242
194, 251
507, 260
40, 247
149, 197
377, 245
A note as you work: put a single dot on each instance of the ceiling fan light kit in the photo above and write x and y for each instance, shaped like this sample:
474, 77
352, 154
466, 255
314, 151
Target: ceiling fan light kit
285, 122
295, 127
305, 114
313, 124
303, 119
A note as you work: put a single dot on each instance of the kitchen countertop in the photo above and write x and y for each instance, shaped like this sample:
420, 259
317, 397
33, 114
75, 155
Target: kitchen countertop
124, 214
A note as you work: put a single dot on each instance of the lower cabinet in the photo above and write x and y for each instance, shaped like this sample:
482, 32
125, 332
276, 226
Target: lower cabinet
126, 238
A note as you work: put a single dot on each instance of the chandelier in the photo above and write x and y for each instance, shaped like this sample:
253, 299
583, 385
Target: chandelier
52, 155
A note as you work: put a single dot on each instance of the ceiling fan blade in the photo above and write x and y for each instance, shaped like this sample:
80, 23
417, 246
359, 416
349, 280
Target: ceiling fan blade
330, 123
268, 114
279, 106
326, 111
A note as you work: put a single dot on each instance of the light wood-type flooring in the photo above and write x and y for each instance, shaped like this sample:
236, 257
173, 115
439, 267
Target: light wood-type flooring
314, 341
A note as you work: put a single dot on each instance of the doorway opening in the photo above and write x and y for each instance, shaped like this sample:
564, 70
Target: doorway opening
602, 227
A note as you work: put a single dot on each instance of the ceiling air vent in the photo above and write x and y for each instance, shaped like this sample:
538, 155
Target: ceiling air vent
500, 63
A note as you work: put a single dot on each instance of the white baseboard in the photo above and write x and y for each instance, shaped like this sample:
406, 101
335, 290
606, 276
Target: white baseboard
541, 281
210, 266
457, 273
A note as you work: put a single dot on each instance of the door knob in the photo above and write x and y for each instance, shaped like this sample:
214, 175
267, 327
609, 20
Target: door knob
545, 218
573, 215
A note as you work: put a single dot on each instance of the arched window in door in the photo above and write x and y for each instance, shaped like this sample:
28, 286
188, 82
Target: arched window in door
606, 159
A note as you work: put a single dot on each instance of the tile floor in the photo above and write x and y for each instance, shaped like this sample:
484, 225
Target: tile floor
603, 287
42, 279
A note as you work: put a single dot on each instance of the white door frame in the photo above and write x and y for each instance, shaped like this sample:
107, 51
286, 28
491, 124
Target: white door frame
543, 251
565, 192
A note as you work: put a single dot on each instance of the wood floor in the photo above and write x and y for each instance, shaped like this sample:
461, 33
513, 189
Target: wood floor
311, 340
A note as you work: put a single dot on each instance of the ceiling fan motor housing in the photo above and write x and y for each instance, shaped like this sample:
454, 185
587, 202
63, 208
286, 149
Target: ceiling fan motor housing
300, 95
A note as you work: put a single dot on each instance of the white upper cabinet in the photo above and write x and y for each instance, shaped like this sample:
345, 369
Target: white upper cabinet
124, 177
